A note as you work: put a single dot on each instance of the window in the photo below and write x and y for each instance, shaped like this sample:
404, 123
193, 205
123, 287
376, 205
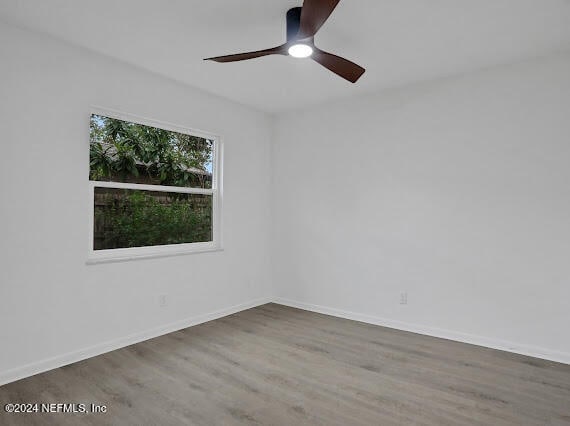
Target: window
154, 188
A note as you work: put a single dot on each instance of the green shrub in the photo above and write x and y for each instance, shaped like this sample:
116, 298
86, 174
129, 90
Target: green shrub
127, 218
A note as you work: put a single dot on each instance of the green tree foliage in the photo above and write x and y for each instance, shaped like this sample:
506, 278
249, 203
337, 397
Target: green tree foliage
139, 219
126, 151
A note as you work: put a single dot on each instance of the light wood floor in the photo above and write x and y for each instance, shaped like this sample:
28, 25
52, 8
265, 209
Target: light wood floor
275, 365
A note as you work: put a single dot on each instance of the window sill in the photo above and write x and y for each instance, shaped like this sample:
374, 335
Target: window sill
124, 257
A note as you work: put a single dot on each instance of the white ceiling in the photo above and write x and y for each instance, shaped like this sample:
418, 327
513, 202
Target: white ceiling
397, 41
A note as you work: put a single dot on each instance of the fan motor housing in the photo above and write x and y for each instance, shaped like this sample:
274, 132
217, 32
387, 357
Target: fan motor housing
293, 23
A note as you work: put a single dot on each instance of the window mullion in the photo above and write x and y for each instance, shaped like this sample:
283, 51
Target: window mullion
158, 188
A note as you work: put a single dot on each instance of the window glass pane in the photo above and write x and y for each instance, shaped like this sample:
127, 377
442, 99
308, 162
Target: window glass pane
132, 218
122, 151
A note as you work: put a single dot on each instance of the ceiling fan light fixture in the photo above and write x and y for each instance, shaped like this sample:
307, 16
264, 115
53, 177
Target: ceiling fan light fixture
300, 51
302, 23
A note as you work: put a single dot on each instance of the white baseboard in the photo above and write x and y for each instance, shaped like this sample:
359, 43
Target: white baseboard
75, 356
502, 345
69, 358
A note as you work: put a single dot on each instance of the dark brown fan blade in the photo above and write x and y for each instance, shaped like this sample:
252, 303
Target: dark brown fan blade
279, 50
340, 66
313, 15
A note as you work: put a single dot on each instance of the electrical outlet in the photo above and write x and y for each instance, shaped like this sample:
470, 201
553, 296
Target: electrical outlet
162, 300
404, 298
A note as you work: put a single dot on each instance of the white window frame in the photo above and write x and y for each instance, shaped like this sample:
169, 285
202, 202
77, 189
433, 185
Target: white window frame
132, 253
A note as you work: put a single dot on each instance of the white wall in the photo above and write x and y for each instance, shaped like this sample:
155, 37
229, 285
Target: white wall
455, 191
51, 303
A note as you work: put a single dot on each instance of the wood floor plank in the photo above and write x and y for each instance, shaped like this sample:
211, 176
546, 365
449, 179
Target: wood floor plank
276, 365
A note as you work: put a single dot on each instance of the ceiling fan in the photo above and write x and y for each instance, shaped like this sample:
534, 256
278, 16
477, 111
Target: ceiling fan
302, 25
